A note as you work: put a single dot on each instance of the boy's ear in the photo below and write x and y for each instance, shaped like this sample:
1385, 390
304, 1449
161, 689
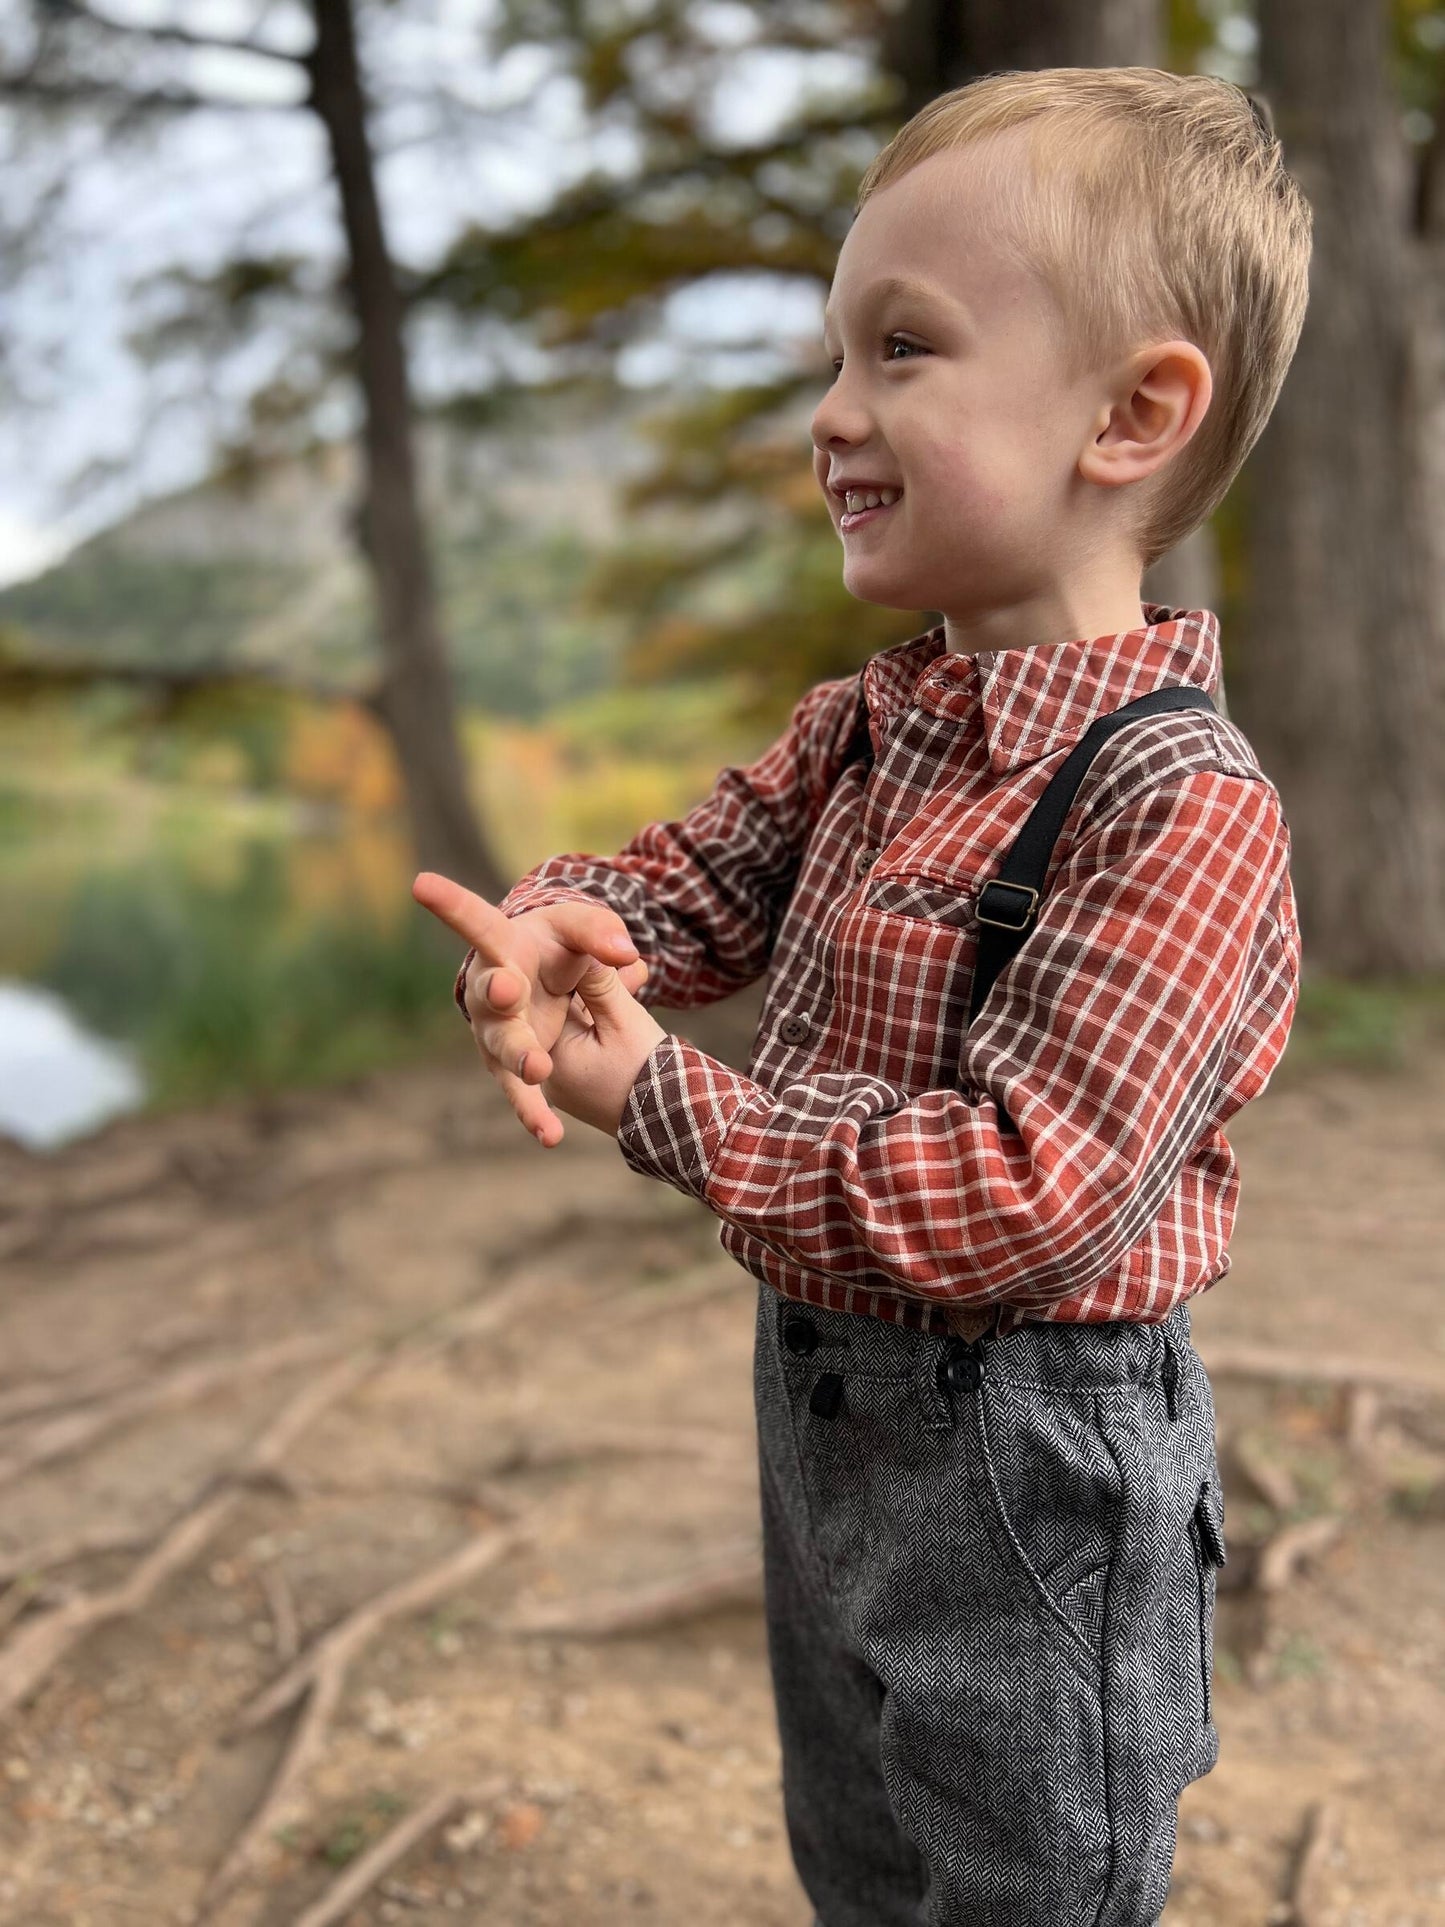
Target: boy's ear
1155, 406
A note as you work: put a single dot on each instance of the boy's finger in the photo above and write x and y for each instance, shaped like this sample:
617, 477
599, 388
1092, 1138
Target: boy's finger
481, 923
513, 1048
532, 1109
604, 994
593, 927
507, 1039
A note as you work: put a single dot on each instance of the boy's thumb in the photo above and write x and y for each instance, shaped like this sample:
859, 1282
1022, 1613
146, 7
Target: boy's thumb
600, 987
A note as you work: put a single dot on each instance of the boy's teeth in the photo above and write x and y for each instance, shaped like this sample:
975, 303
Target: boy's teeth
868, 499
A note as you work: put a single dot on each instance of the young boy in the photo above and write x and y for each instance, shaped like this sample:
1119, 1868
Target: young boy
990, 1492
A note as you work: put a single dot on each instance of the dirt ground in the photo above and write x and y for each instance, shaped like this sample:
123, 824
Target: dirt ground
268, 1363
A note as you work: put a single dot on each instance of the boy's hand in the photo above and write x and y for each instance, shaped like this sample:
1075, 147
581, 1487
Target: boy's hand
519, 985
604, 1043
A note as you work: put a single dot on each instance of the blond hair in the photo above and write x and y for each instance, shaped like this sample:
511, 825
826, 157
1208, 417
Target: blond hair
1154, 206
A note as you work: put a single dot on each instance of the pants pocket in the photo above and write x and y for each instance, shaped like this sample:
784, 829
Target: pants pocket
1051, 1482
1207, 1531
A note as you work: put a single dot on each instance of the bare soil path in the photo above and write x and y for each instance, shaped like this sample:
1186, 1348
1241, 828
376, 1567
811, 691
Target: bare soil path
362, 1392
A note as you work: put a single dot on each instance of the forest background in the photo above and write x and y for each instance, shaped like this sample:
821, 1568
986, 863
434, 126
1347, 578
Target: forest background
502, 536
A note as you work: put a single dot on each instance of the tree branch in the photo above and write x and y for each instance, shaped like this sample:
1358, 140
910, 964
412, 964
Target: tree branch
178, 36
28, 677
175, 100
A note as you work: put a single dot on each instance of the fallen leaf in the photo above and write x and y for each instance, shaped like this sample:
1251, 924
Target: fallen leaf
518, 1826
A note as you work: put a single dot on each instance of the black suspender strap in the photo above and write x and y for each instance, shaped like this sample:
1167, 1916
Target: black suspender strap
1008, 903
1007, 906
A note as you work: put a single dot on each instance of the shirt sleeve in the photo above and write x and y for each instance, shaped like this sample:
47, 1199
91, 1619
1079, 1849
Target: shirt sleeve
1103, 1037
703, 896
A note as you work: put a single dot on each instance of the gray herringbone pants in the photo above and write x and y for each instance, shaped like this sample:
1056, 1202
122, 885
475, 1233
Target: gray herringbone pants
990, 1600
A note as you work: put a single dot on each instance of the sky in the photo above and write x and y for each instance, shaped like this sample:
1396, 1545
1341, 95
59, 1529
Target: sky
205, 178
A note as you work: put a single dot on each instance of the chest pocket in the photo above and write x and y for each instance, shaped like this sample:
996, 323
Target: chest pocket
931, 898
904, 951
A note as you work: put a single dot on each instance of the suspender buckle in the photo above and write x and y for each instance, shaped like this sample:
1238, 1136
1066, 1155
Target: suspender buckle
1025, 910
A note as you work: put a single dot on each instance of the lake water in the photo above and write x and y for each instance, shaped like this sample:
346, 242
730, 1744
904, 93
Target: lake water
57, 1080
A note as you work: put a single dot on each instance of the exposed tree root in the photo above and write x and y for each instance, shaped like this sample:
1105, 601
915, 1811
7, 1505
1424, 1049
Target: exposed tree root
1271, 1479
363, 1874
322, 1669
40, 1642
1362, 1417
47, 1391
1310, 1883
732, 1577
341, 1643
1323, 1368
1281, 1555
679, 1292
44, 1555
57, 1437
282, 1603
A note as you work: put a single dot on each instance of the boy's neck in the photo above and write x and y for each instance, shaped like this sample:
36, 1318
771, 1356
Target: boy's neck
1058, 613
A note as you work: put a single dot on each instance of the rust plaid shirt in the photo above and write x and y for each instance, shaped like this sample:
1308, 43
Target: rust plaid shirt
858, 1164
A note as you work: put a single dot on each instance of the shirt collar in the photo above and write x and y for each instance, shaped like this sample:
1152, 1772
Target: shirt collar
1034, 701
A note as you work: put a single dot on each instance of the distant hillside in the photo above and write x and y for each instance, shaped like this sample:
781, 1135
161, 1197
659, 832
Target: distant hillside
263, 569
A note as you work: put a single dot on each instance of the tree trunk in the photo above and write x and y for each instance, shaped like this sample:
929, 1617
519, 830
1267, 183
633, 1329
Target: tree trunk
1188, 577
1339, 687
932, 45
414, 701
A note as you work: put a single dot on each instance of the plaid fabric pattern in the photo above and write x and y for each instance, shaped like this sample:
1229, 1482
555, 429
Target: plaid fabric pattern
857, 1164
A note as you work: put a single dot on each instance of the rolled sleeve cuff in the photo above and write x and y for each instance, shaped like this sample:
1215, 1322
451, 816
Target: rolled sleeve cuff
677, 1113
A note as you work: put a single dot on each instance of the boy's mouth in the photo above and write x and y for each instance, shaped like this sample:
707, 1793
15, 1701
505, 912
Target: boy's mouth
855, 518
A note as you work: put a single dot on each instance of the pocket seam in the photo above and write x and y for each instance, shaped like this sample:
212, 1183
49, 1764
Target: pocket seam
1202, 1582
960, 898
1011, 1547
1210, 1527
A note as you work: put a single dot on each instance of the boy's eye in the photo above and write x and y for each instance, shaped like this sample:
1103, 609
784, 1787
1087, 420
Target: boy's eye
888, 341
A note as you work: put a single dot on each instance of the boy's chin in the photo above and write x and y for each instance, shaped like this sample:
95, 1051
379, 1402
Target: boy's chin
887, 588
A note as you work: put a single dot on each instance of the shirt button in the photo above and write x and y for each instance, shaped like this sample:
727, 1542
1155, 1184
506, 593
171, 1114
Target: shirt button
865, 860
793, 1030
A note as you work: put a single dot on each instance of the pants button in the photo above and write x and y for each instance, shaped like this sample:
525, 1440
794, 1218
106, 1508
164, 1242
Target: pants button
962, 1371
827, 1395
800, 1335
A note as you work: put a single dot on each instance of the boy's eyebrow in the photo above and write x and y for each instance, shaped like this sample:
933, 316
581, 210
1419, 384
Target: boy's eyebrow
896, 284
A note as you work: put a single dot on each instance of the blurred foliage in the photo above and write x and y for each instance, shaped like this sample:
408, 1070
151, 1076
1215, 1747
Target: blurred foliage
522, 638
243, 942
1418, 63
761, 591
116, 604
1377, 1026
340, 753
226, 989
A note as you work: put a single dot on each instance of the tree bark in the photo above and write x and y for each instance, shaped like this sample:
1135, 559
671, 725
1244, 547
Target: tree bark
414, 701
932, 45
1340, 685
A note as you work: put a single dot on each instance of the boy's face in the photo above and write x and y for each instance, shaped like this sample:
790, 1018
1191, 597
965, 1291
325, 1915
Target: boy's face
957, 397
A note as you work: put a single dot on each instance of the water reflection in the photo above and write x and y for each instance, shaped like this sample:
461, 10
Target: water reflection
57, 1080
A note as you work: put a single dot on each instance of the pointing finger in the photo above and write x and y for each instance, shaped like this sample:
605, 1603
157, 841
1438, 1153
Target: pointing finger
481, 923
